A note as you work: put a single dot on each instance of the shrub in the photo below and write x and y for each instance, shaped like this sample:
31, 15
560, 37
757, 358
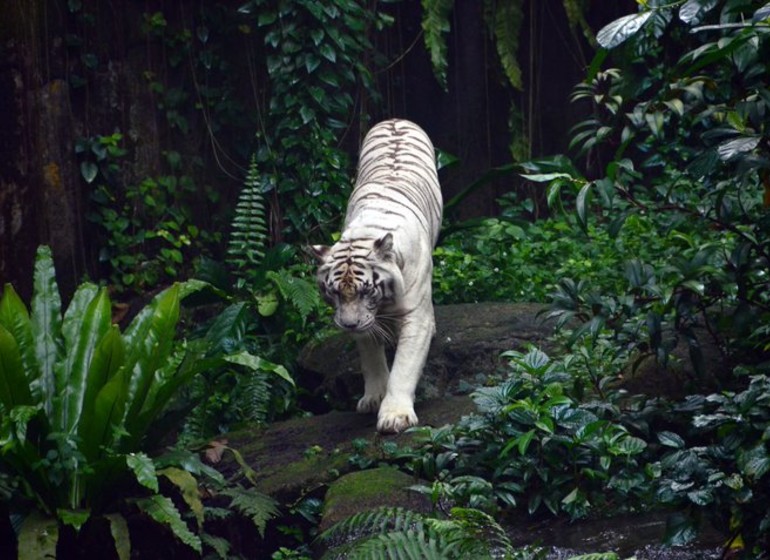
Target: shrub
82, 405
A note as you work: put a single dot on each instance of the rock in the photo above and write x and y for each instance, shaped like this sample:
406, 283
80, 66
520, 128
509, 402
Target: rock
298, 455
367, 490
467, 347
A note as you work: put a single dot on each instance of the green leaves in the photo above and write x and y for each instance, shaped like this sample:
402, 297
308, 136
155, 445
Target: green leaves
616, 32
162, 510
435, 26
79, 398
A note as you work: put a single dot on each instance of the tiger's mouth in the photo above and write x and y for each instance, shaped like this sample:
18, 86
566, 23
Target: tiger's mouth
359, 327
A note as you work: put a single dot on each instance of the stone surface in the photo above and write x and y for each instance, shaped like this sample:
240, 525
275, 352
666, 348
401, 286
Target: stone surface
295, 456
370, 489
466, 348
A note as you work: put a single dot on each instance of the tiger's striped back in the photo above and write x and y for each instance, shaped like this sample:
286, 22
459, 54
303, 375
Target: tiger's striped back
397, 181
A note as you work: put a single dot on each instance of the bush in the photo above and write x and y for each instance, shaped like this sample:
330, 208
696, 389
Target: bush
82, 405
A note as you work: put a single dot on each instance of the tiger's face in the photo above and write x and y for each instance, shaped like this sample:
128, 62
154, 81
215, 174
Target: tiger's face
360, 280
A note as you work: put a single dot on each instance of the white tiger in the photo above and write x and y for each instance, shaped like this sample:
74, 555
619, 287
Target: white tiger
378, 275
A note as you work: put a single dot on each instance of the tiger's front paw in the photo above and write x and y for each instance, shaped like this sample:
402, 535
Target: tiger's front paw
368, 404
395, 416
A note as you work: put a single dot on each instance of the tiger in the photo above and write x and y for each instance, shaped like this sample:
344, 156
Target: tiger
378, 275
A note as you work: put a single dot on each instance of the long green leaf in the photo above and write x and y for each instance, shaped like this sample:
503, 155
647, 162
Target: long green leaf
15, 318
86, 321
38, 537
120, 535
163, 510
46, 327
149, 341
109, 409
14, 388
188, 487
105, 364
255, 363
144, 470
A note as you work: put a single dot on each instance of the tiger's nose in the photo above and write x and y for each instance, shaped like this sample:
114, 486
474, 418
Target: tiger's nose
349, 324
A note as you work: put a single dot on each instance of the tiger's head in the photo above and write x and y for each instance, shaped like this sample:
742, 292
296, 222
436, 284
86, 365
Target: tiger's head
359, 278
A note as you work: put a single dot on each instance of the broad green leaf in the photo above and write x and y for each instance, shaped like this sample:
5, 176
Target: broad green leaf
120, 535
738, 146
86, 321
693, 11
267, 304
630, 446
89, 170
108, 411
188, 487
14, 387
38, 537
614, 33
546, 177
15, 318
680, 529
75, 518
761, 14
524, 440
581, 205
757, 467
256, 363
46, 327
149, 341
670, 439
144, 470
163, 510
97, 417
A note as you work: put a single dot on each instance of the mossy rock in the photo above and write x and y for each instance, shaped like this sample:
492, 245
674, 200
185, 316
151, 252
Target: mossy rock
367, 490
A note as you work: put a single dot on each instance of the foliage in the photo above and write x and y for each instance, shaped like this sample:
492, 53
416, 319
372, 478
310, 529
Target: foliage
543, 439
316, 59
718, 468
503, 18
687, 144
149, 228
270, 301
400, 533
82, 403
249, 235
396, 533
513, 259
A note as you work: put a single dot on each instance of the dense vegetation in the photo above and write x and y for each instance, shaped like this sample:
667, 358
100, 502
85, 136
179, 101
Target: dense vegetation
656, 235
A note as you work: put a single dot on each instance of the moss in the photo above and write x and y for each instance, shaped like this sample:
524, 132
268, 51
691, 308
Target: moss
369, 489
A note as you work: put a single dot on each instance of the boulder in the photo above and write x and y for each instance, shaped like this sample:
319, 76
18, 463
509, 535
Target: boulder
466, 349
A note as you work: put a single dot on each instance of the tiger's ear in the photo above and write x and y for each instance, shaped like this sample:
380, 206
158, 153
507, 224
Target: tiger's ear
383, 247
318, 252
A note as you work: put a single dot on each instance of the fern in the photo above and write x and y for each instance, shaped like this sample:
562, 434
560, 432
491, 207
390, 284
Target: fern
575, 10
301, 293
398, 533
258, 507
249, 233
163, 510
253, 396
504, 20
435, 26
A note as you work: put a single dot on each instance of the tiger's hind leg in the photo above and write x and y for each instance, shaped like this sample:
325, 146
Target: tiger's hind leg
374, 367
